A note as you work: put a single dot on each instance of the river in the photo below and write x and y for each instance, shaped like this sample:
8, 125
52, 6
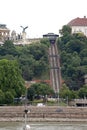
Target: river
43, 126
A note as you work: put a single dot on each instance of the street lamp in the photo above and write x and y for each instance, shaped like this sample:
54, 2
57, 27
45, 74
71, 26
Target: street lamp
26, 126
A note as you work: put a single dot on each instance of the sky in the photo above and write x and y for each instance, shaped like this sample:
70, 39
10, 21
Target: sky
41, 16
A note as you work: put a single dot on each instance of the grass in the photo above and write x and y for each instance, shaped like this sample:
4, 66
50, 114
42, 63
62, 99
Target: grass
48, 103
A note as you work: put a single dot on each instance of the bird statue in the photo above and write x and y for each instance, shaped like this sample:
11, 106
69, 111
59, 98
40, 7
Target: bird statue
24, 28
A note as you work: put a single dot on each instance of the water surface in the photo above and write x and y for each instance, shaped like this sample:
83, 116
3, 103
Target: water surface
43, 126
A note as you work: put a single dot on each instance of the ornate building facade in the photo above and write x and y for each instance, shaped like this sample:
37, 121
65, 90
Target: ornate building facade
4, 32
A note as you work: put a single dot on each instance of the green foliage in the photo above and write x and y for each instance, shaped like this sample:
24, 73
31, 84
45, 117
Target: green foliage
8, 48
45, 41
80, 36
65, 30
8, 57
10, 78
39, 89
83, 91
38, 51
32, 59
27, 66
2, 97
74, 45
8, 97
83, 53
73, 53
66, 92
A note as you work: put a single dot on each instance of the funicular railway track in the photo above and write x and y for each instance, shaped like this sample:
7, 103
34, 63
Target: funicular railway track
54, 67
55, 75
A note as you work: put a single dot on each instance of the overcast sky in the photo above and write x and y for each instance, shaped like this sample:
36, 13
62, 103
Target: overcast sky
41, 16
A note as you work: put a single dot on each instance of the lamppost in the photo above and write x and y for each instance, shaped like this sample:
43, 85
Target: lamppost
26, 126
54, 63
26, 111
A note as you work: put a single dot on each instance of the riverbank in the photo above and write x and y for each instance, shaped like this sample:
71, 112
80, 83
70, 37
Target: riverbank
43, 120
43, 114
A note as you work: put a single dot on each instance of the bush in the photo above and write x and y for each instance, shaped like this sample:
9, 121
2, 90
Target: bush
8, 97
2, 97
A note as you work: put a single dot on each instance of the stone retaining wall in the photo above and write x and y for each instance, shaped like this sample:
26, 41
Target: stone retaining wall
47, 113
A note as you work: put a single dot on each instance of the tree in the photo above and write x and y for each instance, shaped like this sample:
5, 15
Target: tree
33, 61
38, 51
66, 36
39, 89
65, 30
45, 41
80, 36
2, 97
9, 97
66, 92
73, 54
8, 48
83, 53
75, 45
27, 64
83, 91
39, 68
10, 77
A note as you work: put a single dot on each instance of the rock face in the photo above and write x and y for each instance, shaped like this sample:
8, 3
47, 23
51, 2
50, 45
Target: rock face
46, 113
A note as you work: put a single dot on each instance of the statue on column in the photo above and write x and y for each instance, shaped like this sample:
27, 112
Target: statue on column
23, 32
24, 28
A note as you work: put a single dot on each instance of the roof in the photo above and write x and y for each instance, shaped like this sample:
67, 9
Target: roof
78, 22
50, 35
3, 26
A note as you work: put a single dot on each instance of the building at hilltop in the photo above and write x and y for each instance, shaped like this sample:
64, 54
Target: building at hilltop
79, 25
4, 32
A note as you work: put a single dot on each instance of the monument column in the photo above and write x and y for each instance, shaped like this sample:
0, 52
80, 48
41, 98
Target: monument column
24, 33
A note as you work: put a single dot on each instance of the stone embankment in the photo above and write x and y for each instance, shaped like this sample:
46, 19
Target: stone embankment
45, 113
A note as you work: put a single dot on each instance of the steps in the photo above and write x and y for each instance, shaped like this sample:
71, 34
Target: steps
44, 112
